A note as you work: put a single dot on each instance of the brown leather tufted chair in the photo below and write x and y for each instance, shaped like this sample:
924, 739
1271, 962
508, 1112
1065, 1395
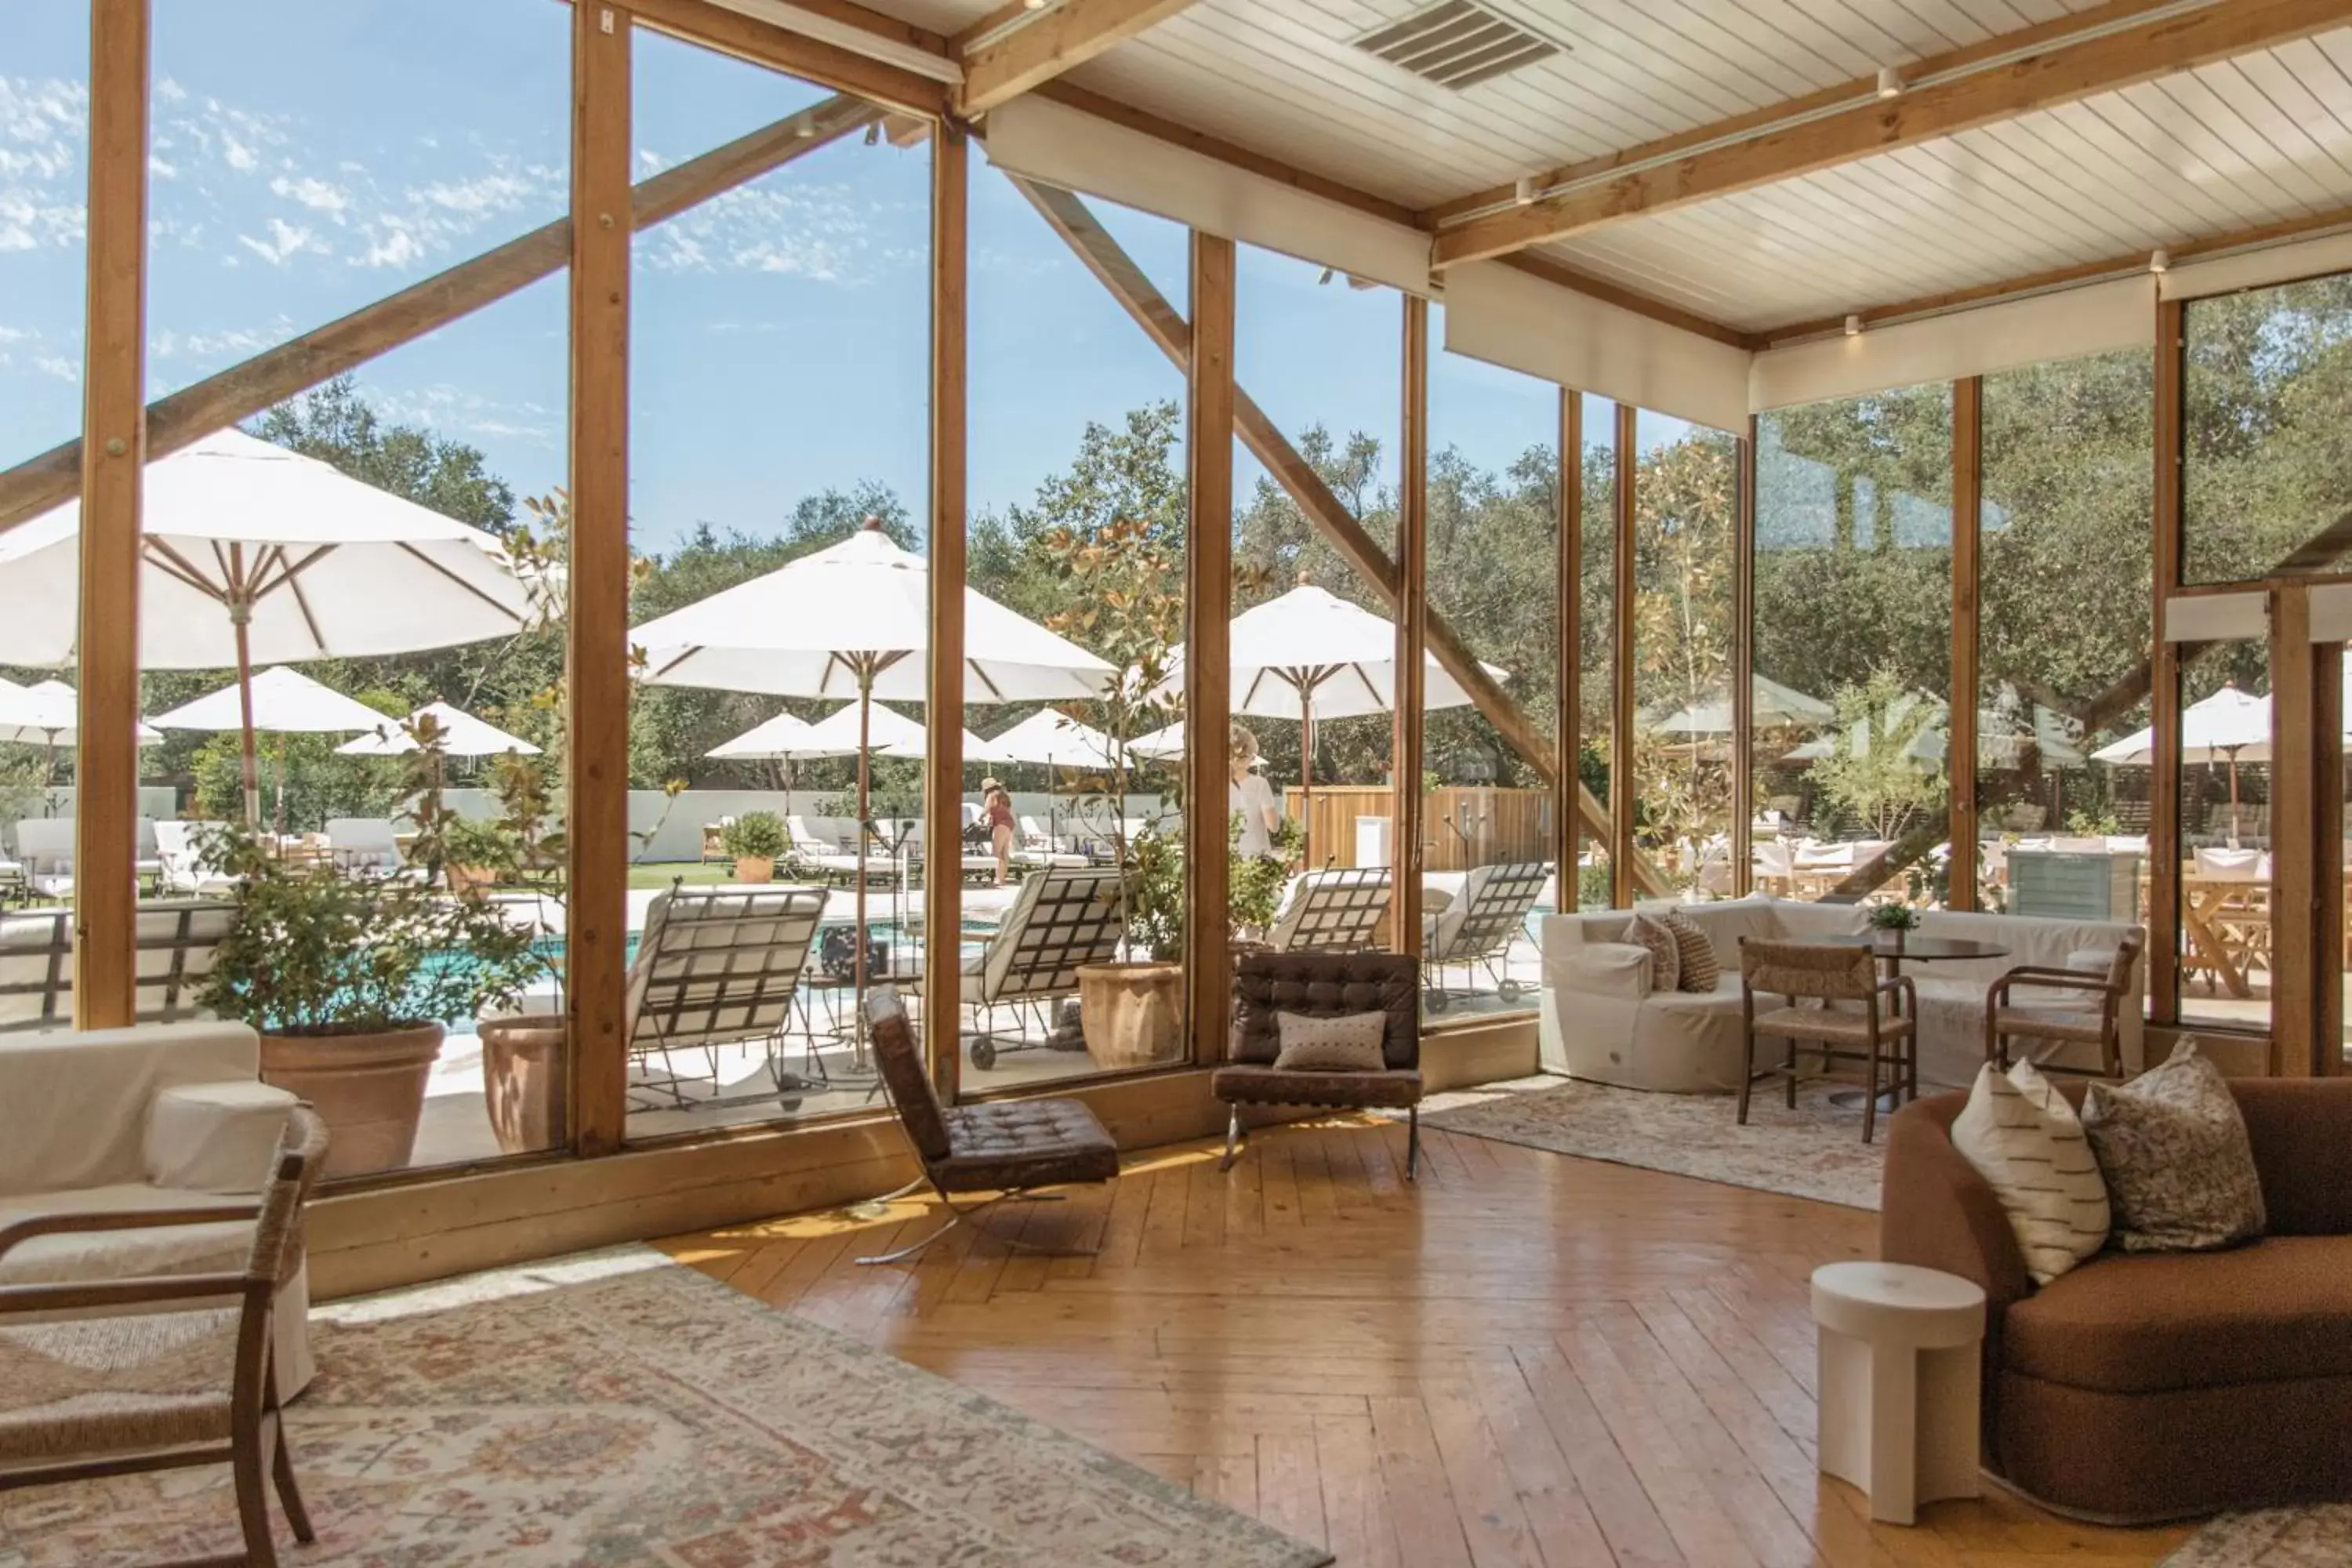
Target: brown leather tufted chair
1323, 985
1006, 1147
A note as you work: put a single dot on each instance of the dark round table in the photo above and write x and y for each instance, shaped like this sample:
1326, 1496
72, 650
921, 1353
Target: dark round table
1894, 948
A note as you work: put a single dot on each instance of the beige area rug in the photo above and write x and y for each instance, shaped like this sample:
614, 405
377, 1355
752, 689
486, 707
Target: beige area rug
2319, 1537
1814, 1151
618, 1409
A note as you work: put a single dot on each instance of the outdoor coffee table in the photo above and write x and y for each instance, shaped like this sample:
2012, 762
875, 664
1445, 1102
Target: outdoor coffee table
1893, 949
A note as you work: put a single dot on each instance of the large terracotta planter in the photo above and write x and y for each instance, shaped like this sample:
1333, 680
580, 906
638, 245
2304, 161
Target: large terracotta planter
755, 869
470, 879
1133, 1013
523, 1080
369, 1088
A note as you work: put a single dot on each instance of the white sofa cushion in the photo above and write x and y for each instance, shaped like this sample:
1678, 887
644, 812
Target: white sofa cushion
120, 1253
78, 1102
215, 1137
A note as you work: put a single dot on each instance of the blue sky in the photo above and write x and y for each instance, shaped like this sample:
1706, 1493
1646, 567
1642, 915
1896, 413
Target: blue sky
307, 159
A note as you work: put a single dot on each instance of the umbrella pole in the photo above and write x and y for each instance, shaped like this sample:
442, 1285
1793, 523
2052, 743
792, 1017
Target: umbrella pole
240, 616
857, 938
2233, 797
1305, 781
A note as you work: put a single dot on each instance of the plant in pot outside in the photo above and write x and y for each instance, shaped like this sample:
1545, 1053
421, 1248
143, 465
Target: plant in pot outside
351, 984
756, 840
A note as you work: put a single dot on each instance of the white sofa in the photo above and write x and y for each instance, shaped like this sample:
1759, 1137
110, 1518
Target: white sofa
1602, 1023
160, 1116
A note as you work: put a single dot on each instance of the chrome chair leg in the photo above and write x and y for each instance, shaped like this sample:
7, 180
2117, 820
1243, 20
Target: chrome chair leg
874, 1207
1412, 1143
956, 1217
1232, 1137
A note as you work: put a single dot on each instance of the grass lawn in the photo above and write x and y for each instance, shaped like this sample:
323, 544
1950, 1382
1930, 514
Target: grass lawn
662, 873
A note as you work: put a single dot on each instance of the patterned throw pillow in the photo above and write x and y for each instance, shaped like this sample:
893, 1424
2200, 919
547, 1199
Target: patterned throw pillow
2024, 1138
1665, 952
1350, 1043
1699, 970
2173, 1145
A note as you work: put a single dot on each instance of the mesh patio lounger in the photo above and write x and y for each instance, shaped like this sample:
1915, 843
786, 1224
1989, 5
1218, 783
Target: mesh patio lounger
719, 966
174, 943
1476, 930
1336, 911
1062, 918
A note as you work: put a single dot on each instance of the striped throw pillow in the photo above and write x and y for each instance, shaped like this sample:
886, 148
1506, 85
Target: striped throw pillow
1700, 972
2024, 1138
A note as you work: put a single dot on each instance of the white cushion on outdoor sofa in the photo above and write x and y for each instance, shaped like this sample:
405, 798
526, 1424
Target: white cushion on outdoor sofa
1604, 1024
84, 1137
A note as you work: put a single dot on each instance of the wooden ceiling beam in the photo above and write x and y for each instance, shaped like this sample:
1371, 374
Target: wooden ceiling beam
244, 389
829, 64
1051, 42
2090, 52
2054, 278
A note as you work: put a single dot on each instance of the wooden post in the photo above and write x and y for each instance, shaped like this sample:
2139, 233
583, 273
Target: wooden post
113, 460
1412, 611
2164, 691
1743, 671
1568, 498
597, 669
943, 775
1961, 718
1622, 785
2295, 916
1208, 672
2327, 836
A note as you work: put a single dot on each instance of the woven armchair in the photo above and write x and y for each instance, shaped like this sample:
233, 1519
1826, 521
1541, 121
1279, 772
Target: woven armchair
2075, 1005
180, 1375
1323, 985
1860, 1018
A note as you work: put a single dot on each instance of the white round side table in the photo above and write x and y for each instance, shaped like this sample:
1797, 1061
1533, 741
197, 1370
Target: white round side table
1900, 1368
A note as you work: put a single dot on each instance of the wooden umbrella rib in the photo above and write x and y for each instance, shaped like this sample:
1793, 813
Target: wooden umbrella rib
972, 666
470, 588
174, 564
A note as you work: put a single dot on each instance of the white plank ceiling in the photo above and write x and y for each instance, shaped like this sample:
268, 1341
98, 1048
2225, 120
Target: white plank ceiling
2254, 141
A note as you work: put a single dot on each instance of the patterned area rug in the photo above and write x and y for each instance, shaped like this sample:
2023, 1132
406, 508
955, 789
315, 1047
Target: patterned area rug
1814, 1151
2317, 1537
617, 1408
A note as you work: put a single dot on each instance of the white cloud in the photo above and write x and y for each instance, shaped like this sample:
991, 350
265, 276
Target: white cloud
286, 240
398, 247
57, 365
312, 192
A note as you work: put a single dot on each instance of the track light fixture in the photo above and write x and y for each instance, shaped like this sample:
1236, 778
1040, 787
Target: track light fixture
2160, 262
1327, 274
1523, 191
874, 133
1890, 82
1854, 326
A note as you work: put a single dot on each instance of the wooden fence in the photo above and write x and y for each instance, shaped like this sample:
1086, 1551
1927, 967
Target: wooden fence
1462, 826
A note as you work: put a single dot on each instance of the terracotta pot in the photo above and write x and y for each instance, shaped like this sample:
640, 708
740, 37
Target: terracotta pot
369, 1088
755, 869
464, 878
1133, 1013
523, 1080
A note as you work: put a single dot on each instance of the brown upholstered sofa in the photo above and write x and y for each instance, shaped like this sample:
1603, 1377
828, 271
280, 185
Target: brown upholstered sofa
2167, 1385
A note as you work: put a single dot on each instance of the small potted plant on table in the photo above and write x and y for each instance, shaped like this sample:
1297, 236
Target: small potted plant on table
756, 840
352, 986
1894, 921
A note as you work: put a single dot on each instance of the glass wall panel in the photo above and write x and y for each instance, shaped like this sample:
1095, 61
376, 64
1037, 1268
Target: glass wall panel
1853, 592
1322, 354
2225, 838
779, 483
304, 162
1490, 843
2066, 563
1079, 525
1596, 707
2267, 397
43, 187
1686, 505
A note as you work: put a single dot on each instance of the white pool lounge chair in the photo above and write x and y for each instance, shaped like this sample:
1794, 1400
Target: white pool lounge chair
719, 966
1062, 918
186, 868
174, 944
1476, 930
1334, 910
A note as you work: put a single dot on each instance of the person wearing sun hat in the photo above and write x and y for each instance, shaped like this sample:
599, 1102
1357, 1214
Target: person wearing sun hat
996, 810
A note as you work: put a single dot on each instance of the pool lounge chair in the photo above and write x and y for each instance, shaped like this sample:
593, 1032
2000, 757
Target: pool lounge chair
719, 966
365, 846
174, 943
184, 866
1334, 910
1034, 847
1476, 930
1062, 918
45, 848
831, 860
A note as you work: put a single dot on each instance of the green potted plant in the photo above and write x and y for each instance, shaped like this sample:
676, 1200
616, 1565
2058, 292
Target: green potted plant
475, 851
1895, 918
351, 984
756, 840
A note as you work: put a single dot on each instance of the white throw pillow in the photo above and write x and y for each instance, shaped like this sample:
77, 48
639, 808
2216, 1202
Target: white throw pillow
2024, 1138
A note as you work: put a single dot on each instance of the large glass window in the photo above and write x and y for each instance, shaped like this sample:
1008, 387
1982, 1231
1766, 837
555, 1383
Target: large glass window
1596, 713
1686, 509
1853, 661
1078, 525
779, 481
2267, 397
1322, 354
2066, 565
43, 186
1490, 843
2225, 835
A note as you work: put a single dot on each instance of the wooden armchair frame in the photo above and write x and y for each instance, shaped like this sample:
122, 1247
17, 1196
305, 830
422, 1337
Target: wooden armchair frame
2112, 989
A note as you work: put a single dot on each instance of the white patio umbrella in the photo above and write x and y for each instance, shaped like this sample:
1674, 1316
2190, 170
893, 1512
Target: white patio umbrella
1160, 744
1775, 707
1058, 740
1310, 655
284, 702
2228, 724
462, 735
49, 713
888, 732
854, 620
254, 555
780, 739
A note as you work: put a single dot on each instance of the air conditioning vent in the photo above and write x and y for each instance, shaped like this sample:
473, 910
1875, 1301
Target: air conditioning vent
1456, 43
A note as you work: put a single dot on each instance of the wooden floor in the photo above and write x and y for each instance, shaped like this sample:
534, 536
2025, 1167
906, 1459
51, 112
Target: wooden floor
1526, 1360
